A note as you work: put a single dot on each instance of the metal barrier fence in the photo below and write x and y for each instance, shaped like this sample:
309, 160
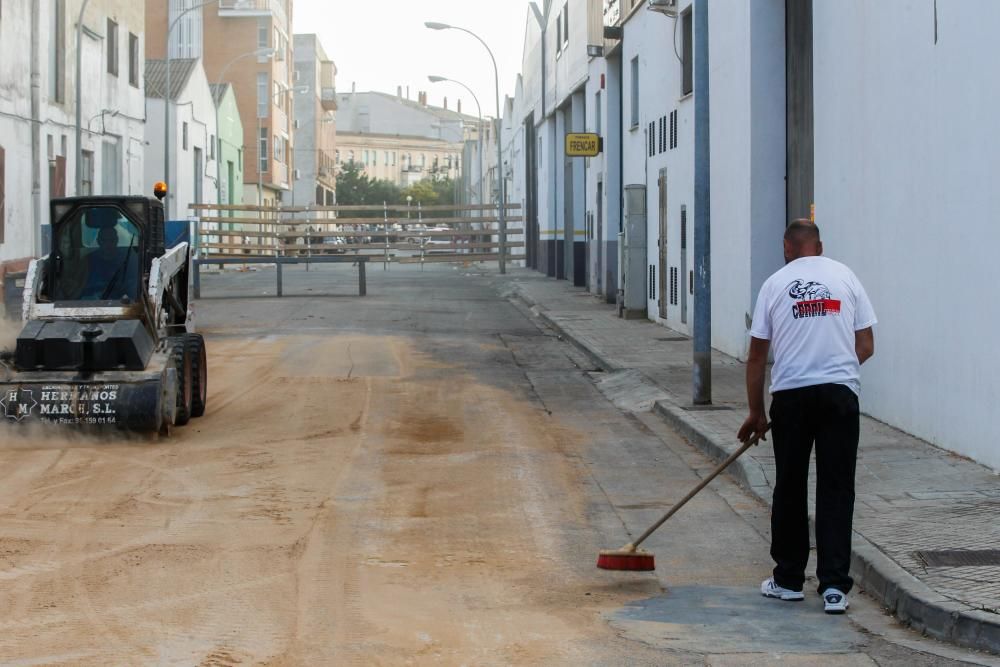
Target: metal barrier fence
401, 234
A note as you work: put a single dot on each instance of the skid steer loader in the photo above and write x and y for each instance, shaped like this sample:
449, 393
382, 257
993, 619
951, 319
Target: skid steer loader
108, 338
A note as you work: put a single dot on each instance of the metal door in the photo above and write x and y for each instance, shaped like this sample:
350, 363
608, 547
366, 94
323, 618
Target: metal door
199, 178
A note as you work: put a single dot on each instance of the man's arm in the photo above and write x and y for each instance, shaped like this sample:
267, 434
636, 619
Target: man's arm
756, 422
864, 344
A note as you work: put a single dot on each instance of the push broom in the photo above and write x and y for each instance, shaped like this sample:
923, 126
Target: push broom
630, 556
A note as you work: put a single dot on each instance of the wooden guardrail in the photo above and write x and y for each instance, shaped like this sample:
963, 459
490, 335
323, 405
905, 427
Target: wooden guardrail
388, 233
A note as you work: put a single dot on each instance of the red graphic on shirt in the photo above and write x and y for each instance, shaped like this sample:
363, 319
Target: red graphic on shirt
816, 300
817, 308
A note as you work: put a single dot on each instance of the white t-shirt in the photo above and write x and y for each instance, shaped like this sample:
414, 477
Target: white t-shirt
809, 310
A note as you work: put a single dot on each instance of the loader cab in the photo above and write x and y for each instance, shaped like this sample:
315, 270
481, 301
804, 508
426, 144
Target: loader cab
102, 249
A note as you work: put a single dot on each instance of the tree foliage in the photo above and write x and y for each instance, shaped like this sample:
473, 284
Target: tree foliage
354, 187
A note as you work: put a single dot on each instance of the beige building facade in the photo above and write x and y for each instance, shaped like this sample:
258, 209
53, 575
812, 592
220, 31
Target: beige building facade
401, 140
399, 159
314, 179
231, 37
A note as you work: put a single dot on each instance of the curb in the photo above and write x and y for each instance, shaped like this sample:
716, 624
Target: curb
903, 595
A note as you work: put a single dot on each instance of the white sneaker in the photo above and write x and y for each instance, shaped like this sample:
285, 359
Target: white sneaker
769, 589
834, 602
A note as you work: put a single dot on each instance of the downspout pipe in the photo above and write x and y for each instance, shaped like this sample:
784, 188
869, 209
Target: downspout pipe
702, 379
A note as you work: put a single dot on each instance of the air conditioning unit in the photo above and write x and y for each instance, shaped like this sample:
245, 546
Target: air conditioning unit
297, 174
279, 54
668, 7
295, 123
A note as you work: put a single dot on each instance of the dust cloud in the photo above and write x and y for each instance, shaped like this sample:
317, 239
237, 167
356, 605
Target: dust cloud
9, 330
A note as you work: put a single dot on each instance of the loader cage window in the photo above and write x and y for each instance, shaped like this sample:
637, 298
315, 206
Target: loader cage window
97, 257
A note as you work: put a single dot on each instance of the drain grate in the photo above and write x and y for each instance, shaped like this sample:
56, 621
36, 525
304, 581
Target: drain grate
674, 339
960, 558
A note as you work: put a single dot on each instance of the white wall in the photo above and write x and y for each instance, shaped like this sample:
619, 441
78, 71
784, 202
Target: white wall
651, 36
596, 168
907, 157
112, 109
747, 118
15, 130
195, 107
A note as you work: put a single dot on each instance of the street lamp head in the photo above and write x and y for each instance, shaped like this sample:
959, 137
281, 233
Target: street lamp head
433, 25
302, 90
266, 52
436, 79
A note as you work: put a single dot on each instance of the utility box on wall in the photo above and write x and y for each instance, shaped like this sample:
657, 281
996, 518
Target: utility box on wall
632, 255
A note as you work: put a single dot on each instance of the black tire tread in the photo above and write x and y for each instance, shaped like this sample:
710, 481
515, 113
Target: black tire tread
199, 394
178, 351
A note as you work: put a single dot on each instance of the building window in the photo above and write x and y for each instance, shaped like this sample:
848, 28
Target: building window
87, 172
276, 94
364, 159
336, 156
133, 60
394, 158
565, 26
278, 150
687, 70
184, 136
262, 107
423, 161
57, 54
187, 39
239, 158
112, 38
635, 93
387, 158
211, 147
262, 32
559, 39
262, 150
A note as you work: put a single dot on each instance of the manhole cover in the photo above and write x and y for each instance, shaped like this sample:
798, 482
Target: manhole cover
960, 558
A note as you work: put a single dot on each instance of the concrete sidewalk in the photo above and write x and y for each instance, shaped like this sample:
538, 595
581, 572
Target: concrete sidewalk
914, 500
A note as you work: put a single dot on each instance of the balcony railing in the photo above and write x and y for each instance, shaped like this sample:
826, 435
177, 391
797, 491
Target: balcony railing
275, 8
328, 98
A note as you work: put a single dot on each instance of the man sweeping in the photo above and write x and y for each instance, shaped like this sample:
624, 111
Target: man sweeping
818, 319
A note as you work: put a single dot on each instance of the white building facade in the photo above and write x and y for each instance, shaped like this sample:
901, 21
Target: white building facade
38, 150
193, 133
873, 118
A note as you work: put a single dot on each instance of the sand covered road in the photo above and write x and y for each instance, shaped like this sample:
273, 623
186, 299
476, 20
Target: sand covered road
347, 500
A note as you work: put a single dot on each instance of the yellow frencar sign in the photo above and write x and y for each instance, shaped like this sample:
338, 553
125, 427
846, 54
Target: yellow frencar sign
583, 144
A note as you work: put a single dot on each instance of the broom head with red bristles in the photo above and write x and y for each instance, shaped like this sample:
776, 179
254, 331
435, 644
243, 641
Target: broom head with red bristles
627, 558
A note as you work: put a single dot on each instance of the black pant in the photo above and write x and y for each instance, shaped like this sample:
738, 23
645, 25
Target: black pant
826, 414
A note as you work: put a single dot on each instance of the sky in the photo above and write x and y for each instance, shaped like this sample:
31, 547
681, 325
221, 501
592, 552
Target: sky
381, 44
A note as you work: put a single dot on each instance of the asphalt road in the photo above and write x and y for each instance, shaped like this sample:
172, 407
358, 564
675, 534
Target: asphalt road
422, 476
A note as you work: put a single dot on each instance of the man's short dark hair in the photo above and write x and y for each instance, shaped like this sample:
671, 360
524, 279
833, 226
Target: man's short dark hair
802, 231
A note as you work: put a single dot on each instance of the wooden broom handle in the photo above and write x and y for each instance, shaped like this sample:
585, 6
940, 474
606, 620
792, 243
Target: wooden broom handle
701, 485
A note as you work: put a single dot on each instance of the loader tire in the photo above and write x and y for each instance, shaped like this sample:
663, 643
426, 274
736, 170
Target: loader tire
199, 373
180, 358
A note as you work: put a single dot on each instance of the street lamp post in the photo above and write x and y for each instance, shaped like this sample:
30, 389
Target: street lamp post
238, 4
479, 132
479, 112
500, 182
263, 53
